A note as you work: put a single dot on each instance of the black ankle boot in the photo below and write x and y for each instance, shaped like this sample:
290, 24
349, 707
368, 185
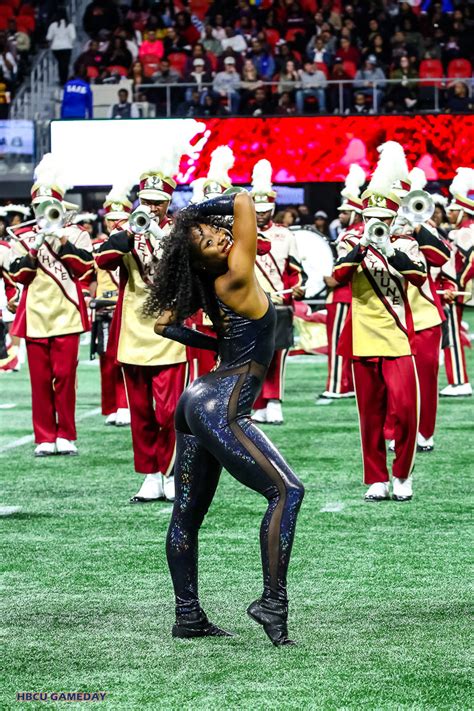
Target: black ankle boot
196, 624
272, 615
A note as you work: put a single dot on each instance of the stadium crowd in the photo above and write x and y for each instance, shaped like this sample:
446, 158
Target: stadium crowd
281, 58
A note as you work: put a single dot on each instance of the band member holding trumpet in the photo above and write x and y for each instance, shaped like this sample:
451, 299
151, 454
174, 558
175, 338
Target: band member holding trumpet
117, 209
50, 256
278, 270
339, 382
413, 219
461, 216
379, 336
155, 369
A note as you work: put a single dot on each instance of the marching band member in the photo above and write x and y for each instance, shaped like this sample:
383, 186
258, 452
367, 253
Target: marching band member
117, 209
339, 382
278, 269
52, 314
155, 368
461, 216
379, 335
12, 293
425, 303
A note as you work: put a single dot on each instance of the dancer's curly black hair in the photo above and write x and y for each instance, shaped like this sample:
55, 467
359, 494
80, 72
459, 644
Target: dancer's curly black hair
178, 284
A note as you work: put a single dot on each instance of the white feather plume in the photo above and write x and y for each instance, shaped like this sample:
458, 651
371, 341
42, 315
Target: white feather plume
392, 166
198, 193
354, 181
262, 176
222, 160
22, 209
120, 191
439, 199
463, 182
417, 179
52, 171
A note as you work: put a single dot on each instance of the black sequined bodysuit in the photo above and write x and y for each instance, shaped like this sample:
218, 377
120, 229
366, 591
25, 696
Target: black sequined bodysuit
214, 430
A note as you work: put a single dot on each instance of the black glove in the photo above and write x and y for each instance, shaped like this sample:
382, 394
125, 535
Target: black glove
222, 206
190, 337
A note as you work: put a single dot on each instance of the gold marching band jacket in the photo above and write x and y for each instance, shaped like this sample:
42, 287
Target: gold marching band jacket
52, 303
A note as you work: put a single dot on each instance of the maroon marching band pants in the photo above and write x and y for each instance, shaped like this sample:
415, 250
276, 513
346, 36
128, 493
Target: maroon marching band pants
339, 368
273, 386
53, 365
428, 345
454, 356
153, 393
387, 385
112, 385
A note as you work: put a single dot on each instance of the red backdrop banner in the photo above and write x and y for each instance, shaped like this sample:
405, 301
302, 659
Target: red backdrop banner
320, 149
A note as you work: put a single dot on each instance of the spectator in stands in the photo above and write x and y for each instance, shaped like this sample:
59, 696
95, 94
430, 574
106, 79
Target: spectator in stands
359, 105
227, 84
5, 97
166, 74
210, 106
283, 54
262, 59
61, 36
21, 43
319, 53
211, 43
192, 106
151, 45
117, 54
321, 222
340, 91
100, 15
371, 81
379, 49
172, 42
198, 52
92, 57
403, 95
8, 65
313, 84
198, 77
218, 30
131, 40
286, 105
234, 40
138, 78
458, 98
124, 109
186, 30
249, 83
77, 98
261, 103
289, 79
347, 52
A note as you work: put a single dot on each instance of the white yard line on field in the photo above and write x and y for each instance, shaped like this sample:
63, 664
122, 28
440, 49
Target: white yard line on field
332, 507
30, 438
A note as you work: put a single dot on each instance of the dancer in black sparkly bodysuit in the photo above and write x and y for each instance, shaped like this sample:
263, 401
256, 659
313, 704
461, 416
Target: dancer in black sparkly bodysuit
205, 265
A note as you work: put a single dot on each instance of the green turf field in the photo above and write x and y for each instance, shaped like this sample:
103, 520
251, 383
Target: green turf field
380, 593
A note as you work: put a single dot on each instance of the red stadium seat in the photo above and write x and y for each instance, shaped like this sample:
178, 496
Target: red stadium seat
272, 37
350, 68
3, 23
431, 69
92, 72
13, 3
323, 68
6, 11
178, 61
25, 23
118, 69
212, 60
27, 10
291, 34
459, 69
150, 64
310, 6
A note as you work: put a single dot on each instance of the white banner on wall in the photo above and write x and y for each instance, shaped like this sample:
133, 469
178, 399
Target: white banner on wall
104, 152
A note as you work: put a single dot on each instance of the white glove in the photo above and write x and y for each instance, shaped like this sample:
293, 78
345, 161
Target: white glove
155, 230
40, 238
384, 245
364, 240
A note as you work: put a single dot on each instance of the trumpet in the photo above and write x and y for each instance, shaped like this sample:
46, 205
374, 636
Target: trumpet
50, 214
141, 221
417, 207
376, 230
